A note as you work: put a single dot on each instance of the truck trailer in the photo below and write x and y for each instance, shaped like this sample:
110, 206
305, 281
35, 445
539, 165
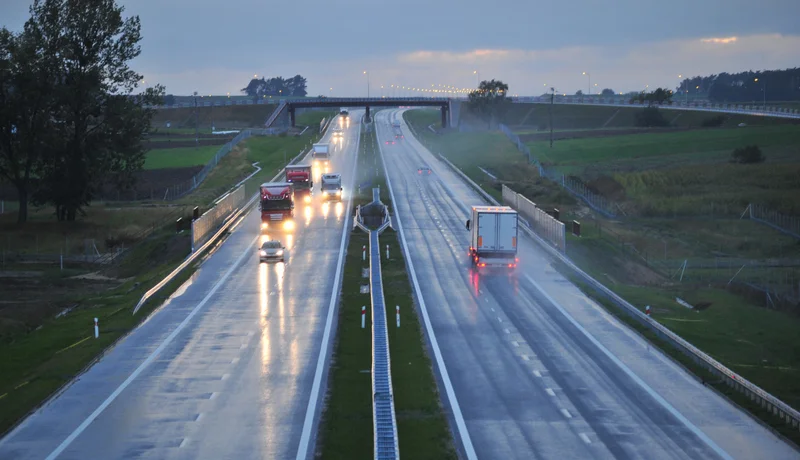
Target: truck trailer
332, 186
302, 182
277, 205
493, 241
321, 153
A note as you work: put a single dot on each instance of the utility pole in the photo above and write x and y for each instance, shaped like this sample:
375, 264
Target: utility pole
552, 100
196, 134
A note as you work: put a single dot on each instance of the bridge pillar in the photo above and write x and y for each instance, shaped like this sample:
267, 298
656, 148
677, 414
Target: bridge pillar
366, 117
291, 115
444, 116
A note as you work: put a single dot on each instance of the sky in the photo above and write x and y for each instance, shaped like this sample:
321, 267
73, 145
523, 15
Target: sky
625, 45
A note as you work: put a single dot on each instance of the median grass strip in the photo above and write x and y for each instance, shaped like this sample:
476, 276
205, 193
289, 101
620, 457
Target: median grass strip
346, 428
636, 258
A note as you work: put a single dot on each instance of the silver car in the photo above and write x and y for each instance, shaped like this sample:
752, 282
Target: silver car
272, 251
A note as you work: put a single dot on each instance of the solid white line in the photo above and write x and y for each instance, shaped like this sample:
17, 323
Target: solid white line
700, 434
566, 413
308, 423
585, 438
461, 425
152, 357
550, 391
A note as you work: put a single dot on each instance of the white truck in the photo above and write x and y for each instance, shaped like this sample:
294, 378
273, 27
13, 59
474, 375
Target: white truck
493, 242
321, 152
332, 186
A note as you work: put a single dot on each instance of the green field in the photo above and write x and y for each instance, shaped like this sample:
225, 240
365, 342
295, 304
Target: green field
180, 157
683, 174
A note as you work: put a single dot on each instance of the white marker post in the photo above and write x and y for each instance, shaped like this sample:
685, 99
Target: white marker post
96, 329
364, 252
397, 308
647, 310
387, 251
363, 317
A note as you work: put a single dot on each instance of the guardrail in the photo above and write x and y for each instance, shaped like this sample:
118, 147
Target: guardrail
730, 378
384, 421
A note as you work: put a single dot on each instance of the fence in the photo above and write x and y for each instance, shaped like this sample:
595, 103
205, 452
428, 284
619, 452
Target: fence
597, 202
204, 225
789, 225
178, 190
548, 227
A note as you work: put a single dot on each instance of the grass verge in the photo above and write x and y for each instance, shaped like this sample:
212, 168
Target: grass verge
422, 427
758, 343
180, 157
34, 366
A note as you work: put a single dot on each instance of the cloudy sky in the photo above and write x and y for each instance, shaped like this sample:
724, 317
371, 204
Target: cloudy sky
216, 47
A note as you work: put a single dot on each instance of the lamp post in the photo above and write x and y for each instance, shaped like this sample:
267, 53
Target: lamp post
589, 85
764, 90
367, 74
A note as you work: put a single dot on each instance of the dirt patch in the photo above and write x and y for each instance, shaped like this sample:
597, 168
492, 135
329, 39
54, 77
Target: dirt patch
584, 134
608, 187
637, 274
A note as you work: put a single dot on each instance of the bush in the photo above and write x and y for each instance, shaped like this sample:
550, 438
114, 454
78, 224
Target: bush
650, 117
747, 155
714, 122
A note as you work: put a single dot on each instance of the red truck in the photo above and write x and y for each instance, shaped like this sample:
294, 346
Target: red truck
277, 205
302, 182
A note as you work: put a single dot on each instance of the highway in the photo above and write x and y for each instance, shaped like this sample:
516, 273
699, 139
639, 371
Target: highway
534, 368
229, 367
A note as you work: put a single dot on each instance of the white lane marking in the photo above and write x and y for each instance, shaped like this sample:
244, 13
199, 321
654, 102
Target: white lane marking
213, 395
550, 391
525, 358
506, 331
461, 425
566, 413
666, 405
537, 373
585, 438
492, 308
515, 343
183, 443
199, 416
248, 252
243, 346
499, 319
234, 360
308, 423
225, 376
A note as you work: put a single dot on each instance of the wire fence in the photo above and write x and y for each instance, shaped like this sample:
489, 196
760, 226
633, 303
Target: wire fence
599, 203
789, 225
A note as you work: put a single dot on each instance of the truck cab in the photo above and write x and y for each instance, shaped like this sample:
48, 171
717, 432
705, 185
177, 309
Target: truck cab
332, 186
302, 182
493, 238
277, 206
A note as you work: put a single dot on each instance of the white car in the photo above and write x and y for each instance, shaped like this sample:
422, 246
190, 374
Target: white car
273, 251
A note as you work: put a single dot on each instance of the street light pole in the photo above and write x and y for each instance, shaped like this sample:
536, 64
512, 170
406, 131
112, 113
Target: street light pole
552, 100
196, 134
589, 86
367, 74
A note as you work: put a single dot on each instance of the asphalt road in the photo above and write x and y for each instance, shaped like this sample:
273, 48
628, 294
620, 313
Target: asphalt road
225, 369
537, 369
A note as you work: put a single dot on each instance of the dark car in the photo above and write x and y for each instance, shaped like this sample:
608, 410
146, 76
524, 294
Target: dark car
390, 142
424, 170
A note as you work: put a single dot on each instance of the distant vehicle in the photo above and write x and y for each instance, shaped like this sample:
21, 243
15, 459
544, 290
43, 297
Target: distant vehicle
343, 112
277, 205
424, 170
493, 241
390, 142
273, 251
337, 131
321, 153
395, 124
302, 182
332, 186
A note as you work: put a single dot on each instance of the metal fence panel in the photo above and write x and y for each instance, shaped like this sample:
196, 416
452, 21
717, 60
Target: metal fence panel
545, 225
789, 225
203, 227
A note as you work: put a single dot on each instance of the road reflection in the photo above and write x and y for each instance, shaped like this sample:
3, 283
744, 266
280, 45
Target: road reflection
307, 214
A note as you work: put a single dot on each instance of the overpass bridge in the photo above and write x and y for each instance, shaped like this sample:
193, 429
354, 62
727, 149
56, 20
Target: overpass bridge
289, 106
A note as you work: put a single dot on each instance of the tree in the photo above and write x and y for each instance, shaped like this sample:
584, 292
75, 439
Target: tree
579, 93
651, 117
490, 99
26, 103
607, 92
747, 155
99, 122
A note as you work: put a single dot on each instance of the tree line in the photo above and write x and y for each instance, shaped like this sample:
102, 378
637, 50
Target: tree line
69, 120
276, 86
750, 86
